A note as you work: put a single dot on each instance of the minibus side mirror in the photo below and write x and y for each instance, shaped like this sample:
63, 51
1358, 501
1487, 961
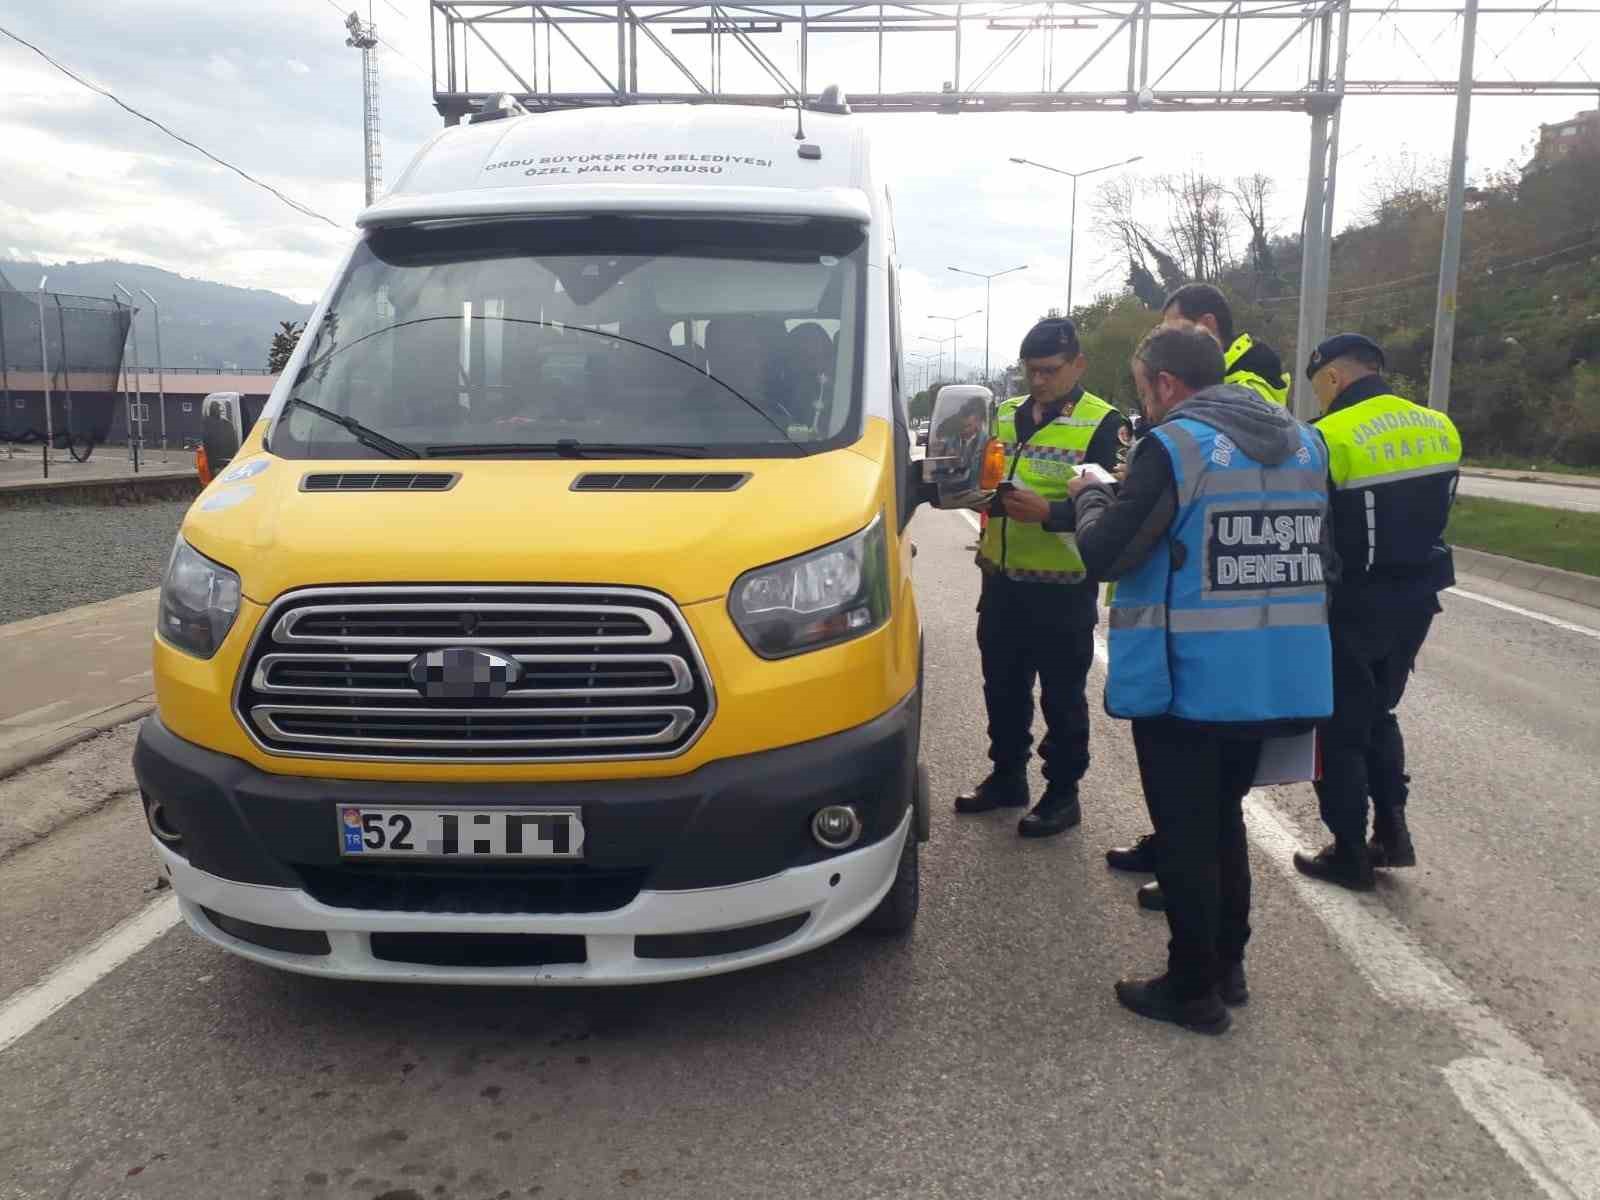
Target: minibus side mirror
221, 430
964, 464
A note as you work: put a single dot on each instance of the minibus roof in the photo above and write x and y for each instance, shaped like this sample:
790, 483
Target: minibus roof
663, 159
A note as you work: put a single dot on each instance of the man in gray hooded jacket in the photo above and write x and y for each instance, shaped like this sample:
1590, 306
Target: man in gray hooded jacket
1196, 771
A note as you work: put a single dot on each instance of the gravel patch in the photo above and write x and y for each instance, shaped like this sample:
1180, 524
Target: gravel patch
58, 557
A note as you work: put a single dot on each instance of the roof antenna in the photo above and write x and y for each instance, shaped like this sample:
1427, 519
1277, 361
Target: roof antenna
800, 96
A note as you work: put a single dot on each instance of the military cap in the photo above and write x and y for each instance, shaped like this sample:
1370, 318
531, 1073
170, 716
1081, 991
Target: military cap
1053, 335
1339, 345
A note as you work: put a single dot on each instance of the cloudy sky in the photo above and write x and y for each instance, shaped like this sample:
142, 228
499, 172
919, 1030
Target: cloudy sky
271, 86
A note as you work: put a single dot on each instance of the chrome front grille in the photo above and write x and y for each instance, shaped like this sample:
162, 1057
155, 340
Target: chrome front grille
606, 673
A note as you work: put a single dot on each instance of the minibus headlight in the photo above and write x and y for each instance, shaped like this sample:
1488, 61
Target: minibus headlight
199, 601
830, 595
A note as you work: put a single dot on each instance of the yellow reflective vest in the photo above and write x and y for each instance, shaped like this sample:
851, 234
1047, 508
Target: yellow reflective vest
1023, 550
1272, 391
1394, 467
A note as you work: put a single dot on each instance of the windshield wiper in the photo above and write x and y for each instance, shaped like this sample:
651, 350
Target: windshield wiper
364, 434
572, 448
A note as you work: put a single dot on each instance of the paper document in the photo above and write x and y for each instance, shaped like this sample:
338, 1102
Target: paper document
1096, 473
1289, 760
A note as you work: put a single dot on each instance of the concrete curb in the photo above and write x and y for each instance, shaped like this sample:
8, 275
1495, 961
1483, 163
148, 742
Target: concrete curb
47, 745
1577, 481
95, 608
122, 489
1548, 581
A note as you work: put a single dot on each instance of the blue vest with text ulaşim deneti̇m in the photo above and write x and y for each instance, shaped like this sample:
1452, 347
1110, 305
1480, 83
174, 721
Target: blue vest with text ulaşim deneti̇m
1228, 621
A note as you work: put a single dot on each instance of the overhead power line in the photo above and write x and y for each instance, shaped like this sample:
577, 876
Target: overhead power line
178, 137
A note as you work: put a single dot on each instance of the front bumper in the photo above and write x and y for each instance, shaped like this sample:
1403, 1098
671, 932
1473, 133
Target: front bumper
819, 903
715, 870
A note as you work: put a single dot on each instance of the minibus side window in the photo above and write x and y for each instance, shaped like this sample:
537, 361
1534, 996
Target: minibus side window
902, 433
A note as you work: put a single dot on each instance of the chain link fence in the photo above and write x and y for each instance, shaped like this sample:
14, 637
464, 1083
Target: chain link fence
60, 359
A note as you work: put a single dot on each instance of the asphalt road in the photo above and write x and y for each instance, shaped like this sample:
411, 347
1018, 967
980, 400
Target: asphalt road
1439, 1039
1545, 495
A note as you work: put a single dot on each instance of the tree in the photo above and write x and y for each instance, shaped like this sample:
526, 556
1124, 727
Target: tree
1145, 285
1251, 195
1199, 229
1405, 184
1109, 345
283, 343
1575, 417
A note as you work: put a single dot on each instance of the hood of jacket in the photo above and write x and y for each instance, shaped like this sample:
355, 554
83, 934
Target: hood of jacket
1266, 432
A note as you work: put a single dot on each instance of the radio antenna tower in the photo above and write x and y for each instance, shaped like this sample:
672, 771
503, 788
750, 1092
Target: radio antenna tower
364, 37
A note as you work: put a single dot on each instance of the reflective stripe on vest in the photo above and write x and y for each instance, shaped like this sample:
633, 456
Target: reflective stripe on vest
1227, 620
1026, 551
1272, 393
1387, 439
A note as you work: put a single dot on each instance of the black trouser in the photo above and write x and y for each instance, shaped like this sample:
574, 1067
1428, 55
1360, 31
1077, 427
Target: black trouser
1194, 784
1028, 630
1363, 753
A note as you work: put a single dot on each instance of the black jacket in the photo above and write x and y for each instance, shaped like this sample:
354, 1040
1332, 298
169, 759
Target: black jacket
1402, 534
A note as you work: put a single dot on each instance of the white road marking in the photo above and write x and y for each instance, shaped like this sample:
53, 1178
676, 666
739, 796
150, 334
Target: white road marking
29, 1008
1536, 1117
1525, 612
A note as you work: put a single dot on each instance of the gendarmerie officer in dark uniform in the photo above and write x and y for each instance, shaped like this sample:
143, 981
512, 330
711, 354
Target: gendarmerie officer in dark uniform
1393, 468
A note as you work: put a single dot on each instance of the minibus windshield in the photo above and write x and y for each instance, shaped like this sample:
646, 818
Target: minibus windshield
587, 337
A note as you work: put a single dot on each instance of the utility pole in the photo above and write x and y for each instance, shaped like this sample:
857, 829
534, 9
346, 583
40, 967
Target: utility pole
136, 414
44, 362
161, 374
1444, 320
364, 37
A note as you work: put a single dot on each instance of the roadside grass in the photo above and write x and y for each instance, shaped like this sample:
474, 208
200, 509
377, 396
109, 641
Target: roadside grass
1538, 465
1552, 537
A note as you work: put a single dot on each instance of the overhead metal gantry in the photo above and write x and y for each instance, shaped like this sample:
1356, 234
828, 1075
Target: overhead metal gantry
993, 56
988, 56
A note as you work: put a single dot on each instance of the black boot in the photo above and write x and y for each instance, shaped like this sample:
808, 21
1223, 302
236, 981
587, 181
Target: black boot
1152, 897
1057, 811
1139, 857
1345, 863
1154, 998
1391, 840
1002, 789
1233, 986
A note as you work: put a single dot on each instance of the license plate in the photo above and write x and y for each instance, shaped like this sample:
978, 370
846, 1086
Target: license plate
460, 833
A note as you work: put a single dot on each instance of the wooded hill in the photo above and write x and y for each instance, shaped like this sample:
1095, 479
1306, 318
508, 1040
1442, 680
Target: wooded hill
1526, 377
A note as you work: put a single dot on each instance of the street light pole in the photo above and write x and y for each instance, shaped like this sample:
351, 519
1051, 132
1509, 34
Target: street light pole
988, 306
921, 362
1072, 228
955, 336
161, 374
939, 342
